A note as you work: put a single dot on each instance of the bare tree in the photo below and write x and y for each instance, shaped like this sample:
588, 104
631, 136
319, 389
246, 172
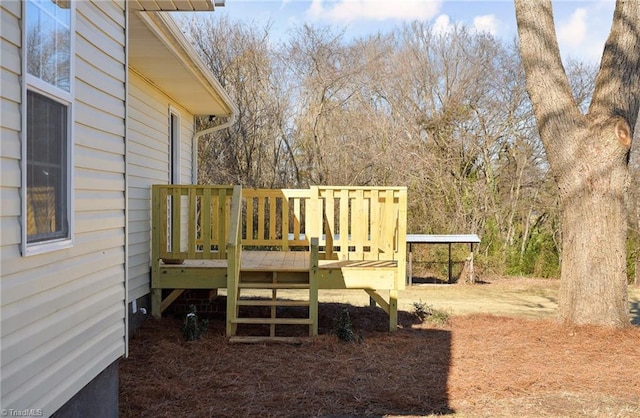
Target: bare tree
455, 124
253, 151
589, 157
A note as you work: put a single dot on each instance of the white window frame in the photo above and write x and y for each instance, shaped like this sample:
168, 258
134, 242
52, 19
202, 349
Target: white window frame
175, 145
39, 86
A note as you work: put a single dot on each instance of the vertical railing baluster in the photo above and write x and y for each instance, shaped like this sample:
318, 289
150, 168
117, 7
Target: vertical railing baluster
191, 222
205, 222
176, 213
222, 220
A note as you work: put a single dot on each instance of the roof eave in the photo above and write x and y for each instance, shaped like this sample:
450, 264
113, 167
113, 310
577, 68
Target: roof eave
174, 5
197, 90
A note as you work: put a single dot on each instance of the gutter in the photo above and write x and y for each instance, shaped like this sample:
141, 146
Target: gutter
196, 139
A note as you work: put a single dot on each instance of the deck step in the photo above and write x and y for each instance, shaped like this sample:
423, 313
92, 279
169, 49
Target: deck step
261, 285
262, 302
262, 340
275, 321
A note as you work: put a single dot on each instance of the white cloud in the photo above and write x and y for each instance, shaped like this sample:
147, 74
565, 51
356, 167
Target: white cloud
442, 25
486, 23
316, 9
352, 10
572, 33
582, 34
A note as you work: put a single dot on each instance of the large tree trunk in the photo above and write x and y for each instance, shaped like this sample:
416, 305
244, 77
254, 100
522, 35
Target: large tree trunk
593, 285
588, 156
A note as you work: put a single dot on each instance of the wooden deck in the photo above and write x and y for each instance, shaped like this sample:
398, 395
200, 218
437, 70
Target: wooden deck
284, 262
359, 243
280, 261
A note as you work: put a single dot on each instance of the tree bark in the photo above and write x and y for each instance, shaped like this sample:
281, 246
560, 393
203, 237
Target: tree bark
588, 156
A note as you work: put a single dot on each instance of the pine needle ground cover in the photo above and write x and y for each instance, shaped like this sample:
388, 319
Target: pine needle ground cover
475, 365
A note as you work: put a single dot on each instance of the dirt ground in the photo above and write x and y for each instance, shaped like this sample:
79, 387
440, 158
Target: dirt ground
515, 363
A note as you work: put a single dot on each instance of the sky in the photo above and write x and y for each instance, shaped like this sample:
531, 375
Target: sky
581, 26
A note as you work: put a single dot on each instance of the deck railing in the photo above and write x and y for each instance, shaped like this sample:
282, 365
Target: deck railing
192, 222
351, 223
275, 218
360, 223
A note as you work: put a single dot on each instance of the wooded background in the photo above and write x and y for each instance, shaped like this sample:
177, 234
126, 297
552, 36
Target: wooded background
445, 114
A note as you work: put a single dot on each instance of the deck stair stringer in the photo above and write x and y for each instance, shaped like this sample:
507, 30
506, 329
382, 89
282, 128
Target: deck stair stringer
298, 292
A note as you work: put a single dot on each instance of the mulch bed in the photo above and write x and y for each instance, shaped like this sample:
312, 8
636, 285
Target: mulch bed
479, 365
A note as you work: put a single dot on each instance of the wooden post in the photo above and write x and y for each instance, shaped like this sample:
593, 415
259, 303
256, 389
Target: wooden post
472, 274
450, 263
393, 310
234, 254
313, 286
156, 300
410, 269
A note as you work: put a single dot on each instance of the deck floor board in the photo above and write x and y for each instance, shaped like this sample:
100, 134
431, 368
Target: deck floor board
282, 261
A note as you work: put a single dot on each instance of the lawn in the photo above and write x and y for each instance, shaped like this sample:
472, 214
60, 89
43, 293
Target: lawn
501, 354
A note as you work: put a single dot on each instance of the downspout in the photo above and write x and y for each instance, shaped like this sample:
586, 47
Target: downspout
196, 139
126, 182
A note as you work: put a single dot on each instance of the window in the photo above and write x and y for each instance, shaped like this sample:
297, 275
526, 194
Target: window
47, 148
46, 169
48, 43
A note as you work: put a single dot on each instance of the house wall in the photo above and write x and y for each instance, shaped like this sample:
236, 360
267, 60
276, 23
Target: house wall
148, 163
62, 312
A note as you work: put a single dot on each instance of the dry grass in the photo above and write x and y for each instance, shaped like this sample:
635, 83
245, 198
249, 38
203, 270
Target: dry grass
478, 365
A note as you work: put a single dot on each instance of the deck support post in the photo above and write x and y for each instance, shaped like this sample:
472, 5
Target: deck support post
156, 299
231, 311
393, 310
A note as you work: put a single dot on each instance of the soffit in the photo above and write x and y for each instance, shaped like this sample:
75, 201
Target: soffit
160, 53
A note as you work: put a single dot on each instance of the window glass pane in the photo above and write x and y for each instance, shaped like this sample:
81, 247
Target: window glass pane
48, 25
46, 169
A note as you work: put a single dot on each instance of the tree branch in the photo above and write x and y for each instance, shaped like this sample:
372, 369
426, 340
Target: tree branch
547, 83
617, 91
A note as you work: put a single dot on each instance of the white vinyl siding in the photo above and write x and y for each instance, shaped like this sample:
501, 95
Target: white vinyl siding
10, 121
63, 312
148, 163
